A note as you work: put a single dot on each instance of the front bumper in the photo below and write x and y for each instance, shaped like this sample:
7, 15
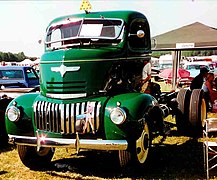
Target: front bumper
77, 143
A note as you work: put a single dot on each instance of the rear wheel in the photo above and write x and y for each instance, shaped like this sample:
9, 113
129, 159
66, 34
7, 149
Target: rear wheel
182, 113
33, 159
197, 112
139, 152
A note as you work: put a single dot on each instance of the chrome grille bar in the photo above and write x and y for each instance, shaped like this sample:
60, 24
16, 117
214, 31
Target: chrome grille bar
67, 118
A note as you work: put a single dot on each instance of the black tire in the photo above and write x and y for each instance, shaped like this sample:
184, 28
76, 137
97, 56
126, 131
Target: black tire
124, 158
139, 151
3, 133
197, 112
33, 159
182, 113
183, 98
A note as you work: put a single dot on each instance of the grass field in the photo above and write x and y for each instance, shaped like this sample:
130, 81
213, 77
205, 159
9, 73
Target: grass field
176, 157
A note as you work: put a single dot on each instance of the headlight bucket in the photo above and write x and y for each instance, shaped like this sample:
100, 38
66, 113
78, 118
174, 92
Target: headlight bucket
118, 115
13, 113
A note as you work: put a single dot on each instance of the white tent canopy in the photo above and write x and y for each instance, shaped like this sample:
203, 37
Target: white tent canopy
26, 61
37, 61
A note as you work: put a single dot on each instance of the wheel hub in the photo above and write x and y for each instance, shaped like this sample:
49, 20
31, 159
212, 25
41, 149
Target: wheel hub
142, 145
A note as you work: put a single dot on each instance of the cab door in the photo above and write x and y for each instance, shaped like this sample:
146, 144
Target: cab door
32, 77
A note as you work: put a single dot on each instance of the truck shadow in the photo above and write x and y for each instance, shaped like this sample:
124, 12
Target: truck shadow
183, 161
5, 147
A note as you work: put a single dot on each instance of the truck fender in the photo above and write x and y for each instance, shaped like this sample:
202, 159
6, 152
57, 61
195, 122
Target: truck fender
136, 105
24, 125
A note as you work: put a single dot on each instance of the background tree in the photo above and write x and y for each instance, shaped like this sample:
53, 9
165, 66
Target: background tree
10, 57
187, 53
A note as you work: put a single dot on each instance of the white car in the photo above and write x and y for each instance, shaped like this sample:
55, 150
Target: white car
194, 67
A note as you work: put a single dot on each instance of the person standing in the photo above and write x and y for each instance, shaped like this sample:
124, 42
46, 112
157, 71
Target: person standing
198, 81
208, 87
146, 76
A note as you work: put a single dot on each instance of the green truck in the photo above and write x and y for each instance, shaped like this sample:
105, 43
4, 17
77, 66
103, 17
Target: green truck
88, 97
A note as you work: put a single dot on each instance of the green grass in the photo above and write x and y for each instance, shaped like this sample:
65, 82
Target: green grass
176, 157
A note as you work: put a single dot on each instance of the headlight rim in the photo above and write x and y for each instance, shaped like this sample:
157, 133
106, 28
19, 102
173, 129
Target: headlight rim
120, 110
14, 109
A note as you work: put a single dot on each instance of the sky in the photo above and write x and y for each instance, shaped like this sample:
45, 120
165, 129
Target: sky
23, 23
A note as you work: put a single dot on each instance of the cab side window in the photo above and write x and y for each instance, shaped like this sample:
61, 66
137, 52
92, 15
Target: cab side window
136, 40
31, 74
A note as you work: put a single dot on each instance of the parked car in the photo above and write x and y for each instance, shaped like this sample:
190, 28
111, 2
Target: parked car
194, 67
156, 70
14, 81
18, 77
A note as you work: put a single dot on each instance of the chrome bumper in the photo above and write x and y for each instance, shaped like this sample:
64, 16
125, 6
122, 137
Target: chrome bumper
77, 143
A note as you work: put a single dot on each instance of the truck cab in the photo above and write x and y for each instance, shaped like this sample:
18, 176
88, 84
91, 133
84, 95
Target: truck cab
89, 73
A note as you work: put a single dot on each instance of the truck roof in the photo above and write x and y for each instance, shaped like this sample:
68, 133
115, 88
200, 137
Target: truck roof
124, 14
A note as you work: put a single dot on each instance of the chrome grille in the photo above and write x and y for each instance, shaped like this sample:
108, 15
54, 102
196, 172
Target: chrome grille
63, 118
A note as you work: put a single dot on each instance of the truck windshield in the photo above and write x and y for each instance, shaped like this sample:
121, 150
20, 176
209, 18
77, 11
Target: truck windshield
72, 32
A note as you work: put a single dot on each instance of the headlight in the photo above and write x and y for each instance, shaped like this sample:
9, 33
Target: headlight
118, 115
13, 113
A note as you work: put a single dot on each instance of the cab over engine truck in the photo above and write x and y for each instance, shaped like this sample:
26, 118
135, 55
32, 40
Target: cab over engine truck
88, 96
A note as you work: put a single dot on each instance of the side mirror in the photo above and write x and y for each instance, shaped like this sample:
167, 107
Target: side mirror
40, 41
153, 43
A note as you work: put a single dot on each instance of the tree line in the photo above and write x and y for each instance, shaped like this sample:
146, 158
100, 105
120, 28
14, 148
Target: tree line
10, 57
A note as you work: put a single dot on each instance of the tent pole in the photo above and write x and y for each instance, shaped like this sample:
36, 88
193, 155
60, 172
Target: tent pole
176, 57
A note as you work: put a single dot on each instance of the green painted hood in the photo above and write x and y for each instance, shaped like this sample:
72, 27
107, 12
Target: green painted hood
76, 71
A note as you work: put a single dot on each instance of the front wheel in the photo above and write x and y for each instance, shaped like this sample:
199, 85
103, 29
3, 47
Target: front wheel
33, 159
139, 151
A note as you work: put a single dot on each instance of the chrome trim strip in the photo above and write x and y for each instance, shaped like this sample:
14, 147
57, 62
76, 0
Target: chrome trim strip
73, 118
58, 116
69, 143
62, 117
98, 60
67, 121
42, 113
49, 116
66, 96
